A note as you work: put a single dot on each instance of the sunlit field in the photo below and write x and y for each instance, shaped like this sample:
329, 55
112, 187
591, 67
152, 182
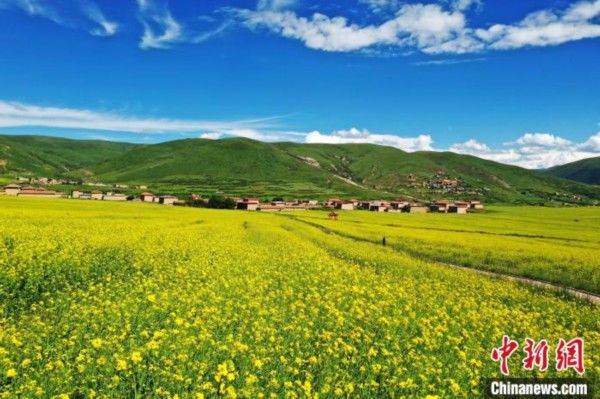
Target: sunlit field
558, 245
140, 300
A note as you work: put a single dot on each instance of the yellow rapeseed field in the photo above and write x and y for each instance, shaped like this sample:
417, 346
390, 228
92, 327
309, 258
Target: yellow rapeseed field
138, 300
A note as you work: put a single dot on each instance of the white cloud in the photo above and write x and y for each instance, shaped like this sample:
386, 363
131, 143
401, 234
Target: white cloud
464, 5
545, 28
592, 144
161, 29
471, 145
211, 136
354, 135
429, 28
533, 150
274, 4
93, 12
542, 139
449, 61
89, 9
380, 6
417, 24
35, 8
14, 115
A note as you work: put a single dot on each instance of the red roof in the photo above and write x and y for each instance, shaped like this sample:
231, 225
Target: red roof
12, 186
248, 201
146, 194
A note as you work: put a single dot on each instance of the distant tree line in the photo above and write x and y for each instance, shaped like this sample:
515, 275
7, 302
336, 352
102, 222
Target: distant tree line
214, 201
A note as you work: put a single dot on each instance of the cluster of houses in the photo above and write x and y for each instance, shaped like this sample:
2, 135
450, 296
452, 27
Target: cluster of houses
41, 192
440, 206
253, 204
29, 191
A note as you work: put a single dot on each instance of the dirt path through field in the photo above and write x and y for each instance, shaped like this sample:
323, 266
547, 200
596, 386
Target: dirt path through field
580, 294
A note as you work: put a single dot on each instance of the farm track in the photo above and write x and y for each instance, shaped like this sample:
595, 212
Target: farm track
577, 293
516, 235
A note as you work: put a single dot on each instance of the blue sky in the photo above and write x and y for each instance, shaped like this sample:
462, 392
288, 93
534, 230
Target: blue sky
511, 81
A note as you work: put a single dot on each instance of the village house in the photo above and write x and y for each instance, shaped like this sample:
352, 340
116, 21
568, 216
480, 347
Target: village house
416, 208
439, 206
12, 189
379, 206
114, 197
345, 205
76, 194
96, 195
167, 199
397, 206
458, 207
38, 193
475, 205
147, 197
332, 202
247, 204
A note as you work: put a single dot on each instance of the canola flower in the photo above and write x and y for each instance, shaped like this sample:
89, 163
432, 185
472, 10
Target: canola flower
134, 300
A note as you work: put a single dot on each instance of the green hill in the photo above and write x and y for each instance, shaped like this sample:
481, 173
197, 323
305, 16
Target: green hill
585, 171
241, 166
53, 156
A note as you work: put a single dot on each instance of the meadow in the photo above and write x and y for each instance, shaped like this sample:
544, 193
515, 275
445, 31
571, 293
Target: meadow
138, 300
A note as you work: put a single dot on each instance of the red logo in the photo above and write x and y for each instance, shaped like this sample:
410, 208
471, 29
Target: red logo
504, 352
537, 355
568, 354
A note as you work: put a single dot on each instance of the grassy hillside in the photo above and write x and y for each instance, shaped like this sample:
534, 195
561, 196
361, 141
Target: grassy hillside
54, 157
585, 170
391, 170
246, 167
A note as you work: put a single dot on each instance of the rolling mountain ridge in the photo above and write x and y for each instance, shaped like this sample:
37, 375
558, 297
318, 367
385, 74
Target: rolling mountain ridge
240, 166
585, 171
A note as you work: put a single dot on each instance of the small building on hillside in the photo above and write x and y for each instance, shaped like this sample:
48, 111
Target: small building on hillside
416, 208
96, 195
147, 197
332, 202
458, 207
379, 206
167, 199
12, 189
475, 204
114, 197
439, 206
39, 193
364, 205
397, 206
345, 205
247, 204
76, 194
